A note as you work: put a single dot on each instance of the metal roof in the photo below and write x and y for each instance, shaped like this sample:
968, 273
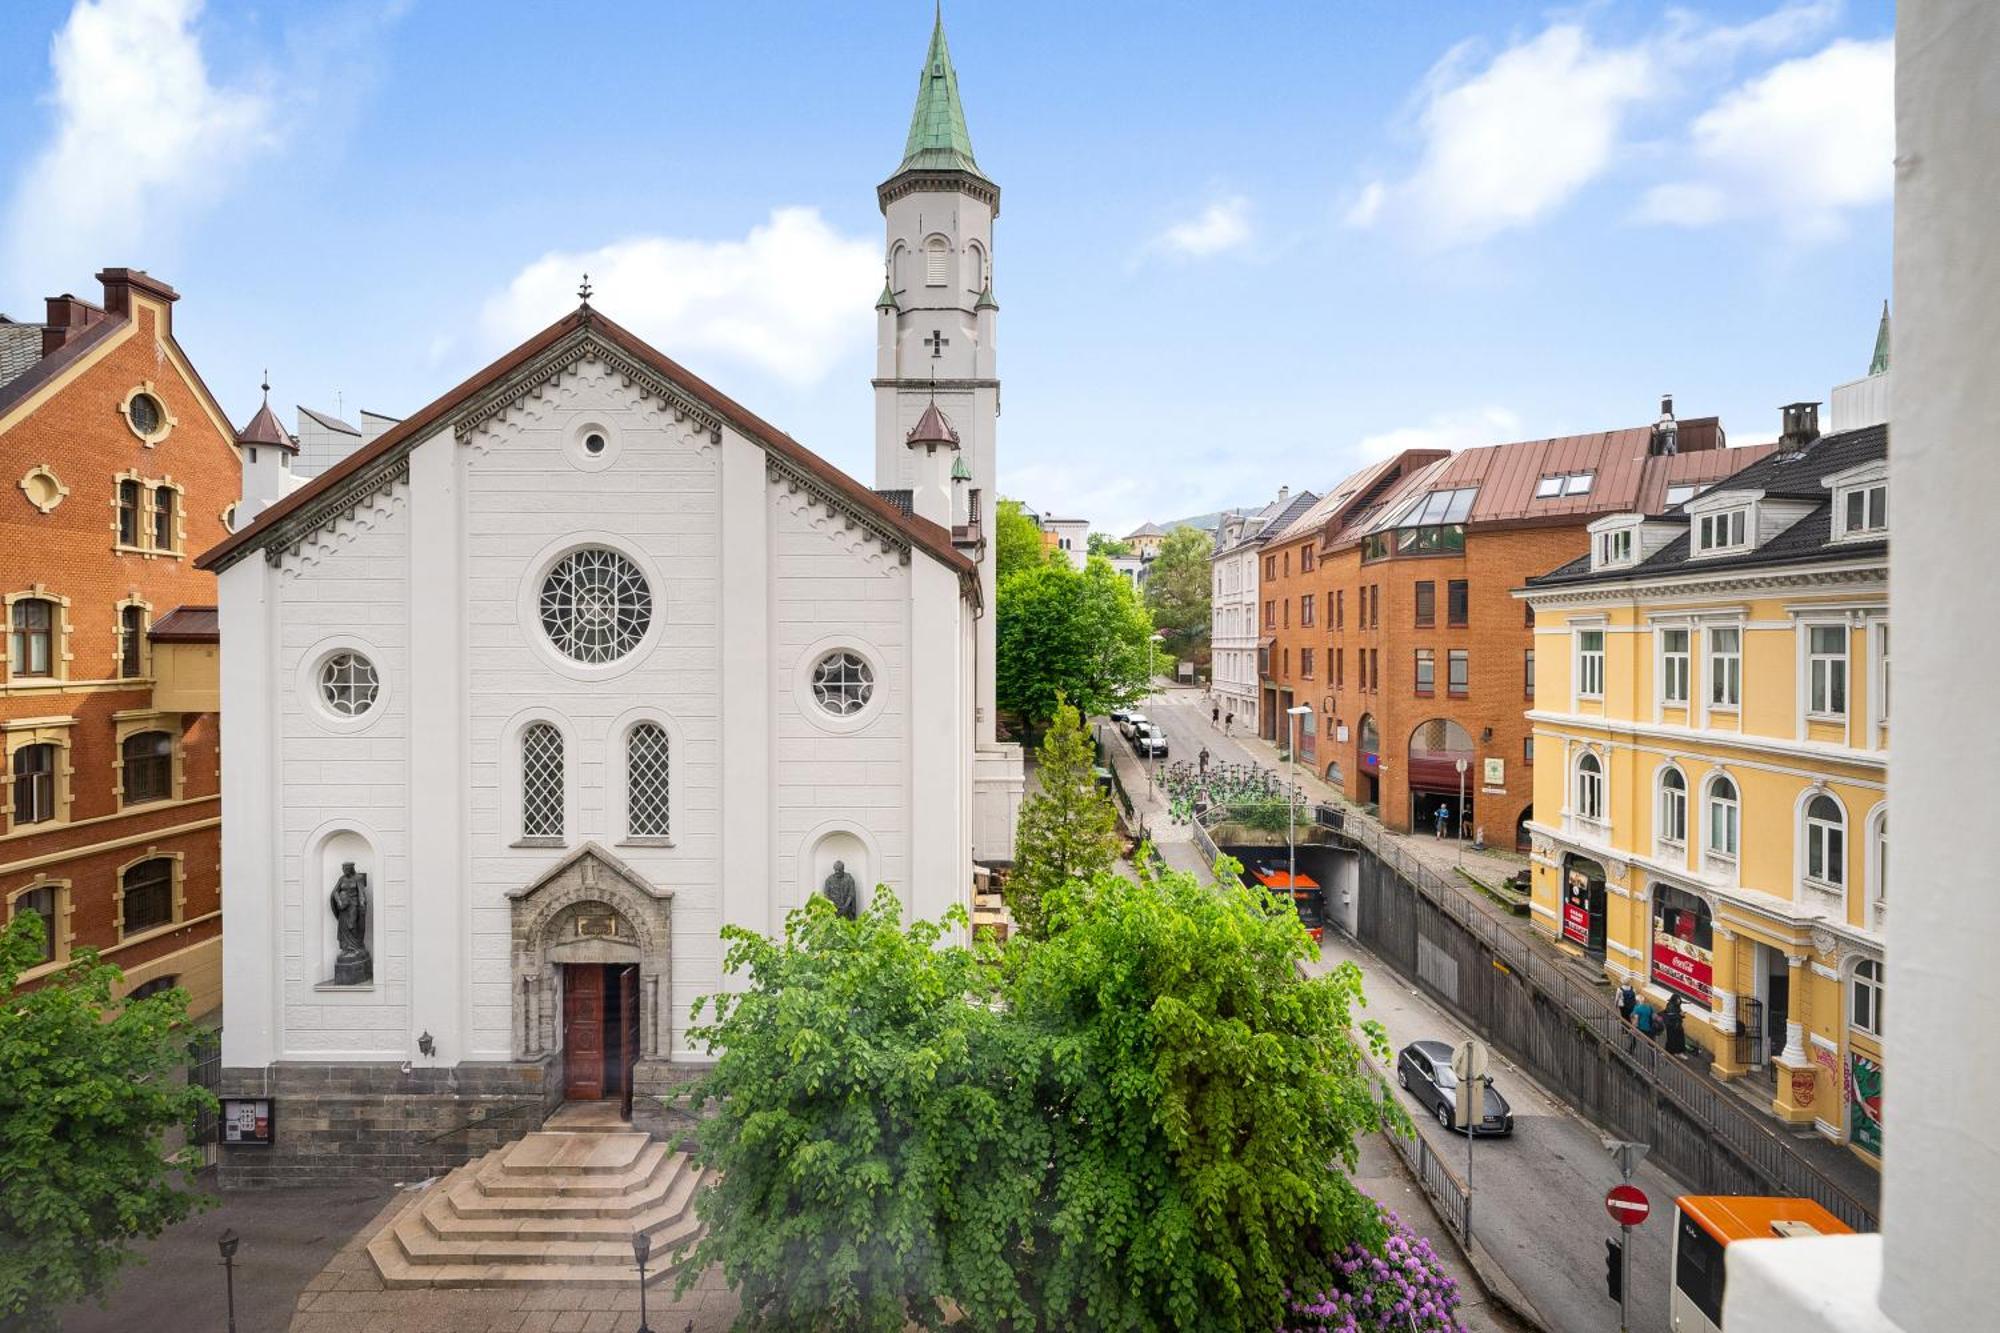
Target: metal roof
187, 624
938, 138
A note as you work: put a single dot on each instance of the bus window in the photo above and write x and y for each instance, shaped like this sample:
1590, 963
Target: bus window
1698, 1269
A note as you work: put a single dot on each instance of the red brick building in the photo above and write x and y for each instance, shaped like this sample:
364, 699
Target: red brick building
118, 468
1389, 610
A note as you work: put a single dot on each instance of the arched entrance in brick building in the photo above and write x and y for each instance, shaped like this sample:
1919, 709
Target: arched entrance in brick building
1436, 748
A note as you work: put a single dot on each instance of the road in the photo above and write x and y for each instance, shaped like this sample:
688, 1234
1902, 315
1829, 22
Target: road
1538, 1198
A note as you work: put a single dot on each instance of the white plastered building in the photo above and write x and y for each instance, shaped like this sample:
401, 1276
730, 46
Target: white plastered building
581, 663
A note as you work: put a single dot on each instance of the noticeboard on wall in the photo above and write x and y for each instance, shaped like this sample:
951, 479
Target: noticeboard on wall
248, 1122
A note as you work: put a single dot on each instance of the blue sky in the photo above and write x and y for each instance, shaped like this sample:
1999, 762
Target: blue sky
1240, 245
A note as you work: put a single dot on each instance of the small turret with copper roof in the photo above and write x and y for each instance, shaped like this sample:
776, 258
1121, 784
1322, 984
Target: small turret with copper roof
266, 449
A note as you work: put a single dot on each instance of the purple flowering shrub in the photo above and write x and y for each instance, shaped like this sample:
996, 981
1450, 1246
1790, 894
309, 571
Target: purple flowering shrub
1400, 1289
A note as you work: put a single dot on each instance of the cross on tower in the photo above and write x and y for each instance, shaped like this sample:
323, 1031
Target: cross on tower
937, 342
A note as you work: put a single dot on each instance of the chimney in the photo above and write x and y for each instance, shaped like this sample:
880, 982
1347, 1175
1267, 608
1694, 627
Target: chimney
1284, 494
1666, 431
67, 318
1801, 427
120, 283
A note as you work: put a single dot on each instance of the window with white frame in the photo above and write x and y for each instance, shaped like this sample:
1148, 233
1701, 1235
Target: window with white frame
1673, 827
1681, 492
1865, 1013
1723, 530
1826, 842
1882, 861
1826, 670
1862, 511
1590, 787
1725, 666
1882, 672
541, 781
1674, 666
646, 784
1564, 483
1724, 818
1590, 663
1614, 548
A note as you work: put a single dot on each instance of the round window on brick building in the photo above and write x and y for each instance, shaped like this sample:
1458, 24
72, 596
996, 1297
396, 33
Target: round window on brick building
145, 413
348, 684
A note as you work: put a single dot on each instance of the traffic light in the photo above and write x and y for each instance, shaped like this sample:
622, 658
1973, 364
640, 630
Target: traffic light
1614, 1270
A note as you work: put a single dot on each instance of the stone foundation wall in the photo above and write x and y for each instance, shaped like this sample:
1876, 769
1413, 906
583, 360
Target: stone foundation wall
345, 1122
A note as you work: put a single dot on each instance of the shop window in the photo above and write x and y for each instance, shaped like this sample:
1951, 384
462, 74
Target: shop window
1683, 952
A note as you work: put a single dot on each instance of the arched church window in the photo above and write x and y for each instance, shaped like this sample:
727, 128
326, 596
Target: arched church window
541, 782
843, 683
937, 262
596, 606
646, 782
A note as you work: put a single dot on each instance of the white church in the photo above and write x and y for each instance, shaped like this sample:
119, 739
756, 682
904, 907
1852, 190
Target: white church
573, 667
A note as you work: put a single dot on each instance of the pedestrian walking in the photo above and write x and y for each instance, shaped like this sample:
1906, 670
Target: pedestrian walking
1643, 1016
1628, 1000
1675, 1025
1203, 761
1228, 721
1443, 818
1215, 718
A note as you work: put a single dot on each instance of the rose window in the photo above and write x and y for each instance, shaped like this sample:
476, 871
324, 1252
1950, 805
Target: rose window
596, 606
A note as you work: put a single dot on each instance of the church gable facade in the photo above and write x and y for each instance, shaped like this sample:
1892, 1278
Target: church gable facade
535, 693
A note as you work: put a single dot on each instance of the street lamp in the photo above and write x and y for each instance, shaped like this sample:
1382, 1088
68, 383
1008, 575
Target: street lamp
227, 1243
642, 1247
1295, 712
1463, 764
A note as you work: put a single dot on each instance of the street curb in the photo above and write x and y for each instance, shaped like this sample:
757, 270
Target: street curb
1493, 1279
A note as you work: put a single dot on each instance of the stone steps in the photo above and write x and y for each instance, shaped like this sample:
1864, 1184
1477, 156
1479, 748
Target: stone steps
554, 1206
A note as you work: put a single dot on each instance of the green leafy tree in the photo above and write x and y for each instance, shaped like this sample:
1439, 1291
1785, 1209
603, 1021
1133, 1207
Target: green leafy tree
88, 1088
1200, 1091
1061, 632
1068, 830
1177, 590
1106, 545
877, 1148
1017, 541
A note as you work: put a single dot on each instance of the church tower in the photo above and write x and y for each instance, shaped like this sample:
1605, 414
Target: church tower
935, 325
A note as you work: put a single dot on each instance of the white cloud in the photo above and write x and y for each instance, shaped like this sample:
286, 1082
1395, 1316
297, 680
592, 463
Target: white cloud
790, 298
1446, 430
1511, 140
143, 140
1223, 225
1800, 143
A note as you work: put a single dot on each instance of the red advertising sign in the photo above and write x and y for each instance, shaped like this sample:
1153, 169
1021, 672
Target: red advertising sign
1576, 922
1628, 1205
1684, 966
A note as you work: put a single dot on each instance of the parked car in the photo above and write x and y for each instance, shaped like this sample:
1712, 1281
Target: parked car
1120, 715
1424, 1070
1133, 721
1150, 741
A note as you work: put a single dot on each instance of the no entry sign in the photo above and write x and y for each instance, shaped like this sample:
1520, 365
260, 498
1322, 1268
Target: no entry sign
1627, 1205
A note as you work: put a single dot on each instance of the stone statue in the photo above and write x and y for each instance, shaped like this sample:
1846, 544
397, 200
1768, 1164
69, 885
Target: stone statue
841, 891
353, 966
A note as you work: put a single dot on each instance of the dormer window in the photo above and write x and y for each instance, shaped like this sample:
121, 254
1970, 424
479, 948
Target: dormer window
1863, 511
1723, 530
1614, 548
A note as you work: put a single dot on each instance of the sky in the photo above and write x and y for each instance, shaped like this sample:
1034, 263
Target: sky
1240, 245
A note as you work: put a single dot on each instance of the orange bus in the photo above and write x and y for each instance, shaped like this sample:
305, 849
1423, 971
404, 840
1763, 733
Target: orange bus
1705, 1224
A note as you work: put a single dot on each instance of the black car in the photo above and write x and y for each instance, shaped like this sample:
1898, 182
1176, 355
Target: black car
1424, 1070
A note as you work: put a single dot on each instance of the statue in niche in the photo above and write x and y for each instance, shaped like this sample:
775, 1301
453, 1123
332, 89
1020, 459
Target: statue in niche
841, 891
352, 966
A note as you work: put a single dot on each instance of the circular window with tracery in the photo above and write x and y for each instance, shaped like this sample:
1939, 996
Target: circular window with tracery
843, 683
145, 413
348, 684
596, 606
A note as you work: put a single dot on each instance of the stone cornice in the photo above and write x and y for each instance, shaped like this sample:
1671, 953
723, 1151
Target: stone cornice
947, 182
890, 539
295, 529
583, 345
1691, 583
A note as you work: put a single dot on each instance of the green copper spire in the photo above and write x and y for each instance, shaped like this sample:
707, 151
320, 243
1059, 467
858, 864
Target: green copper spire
1881, 361
938, 138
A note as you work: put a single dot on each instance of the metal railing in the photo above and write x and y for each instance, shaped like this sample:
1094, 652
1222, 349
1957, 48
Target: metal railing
1694, 1094
1439, 1181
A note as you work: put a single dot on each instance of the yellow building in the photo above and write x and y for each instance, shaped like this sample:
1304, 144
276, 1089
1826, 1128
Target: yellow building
1712, 722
